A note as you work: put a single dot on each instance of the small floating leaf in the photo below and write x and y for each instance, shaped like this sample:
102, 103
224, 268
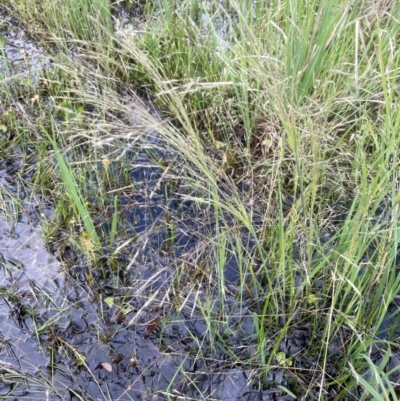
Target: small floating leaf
109, 301
3, 128
127, 310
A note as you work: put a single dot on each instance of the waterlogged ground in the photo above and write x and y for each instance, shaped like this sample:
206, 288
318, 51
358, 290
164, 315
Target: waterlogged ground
73, 331
20, 56
65, 338
60, 337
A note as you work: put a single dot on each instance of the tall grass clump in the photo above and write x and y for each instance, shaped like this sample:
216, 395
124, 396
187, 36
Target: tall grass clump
73, 24
282, 120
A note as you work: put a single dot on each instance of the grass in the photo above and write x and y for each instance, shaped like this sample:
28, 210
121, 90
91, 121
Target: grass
68, 179
281, 136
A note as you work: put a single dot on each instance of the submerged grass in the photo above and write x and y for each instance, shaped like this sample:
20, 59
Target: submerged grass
280, 121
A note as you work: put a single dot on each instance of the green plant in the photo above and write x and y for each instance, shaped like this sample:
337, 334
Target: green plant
69, 181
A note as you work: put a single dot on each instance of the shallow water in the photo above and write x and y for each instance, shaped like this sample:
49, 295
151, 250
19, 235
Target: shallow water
27, 276
20, 56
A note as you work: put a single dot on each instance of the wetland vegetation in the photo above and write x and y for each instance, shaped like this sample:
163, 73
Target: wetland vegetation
199, 200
